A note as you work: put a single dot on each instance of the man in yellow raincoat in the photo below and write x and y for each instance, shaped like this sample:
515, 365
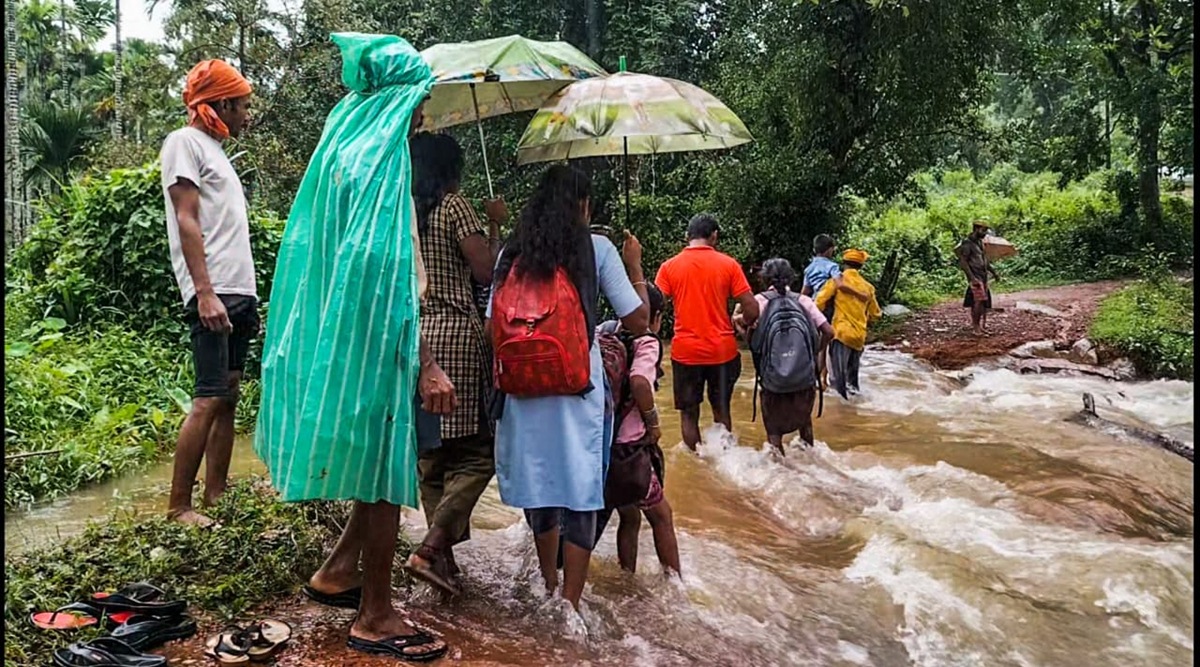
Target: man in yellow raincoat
851, 315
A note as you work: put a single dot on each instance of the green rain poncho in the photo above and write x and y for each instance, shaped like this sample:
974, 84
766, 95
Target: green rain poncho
340, 361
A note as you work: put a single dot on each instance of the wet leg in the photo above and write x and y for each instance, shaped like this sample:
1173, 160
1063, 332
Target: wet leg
189, 451
689, 423
627, 537
218, 450
776, 441
377, 619
340, 570
547, 552
666, 545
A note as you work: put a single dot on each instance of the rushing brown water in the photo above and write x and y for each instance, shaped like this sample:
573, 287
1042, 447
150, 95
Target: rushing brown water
938, 521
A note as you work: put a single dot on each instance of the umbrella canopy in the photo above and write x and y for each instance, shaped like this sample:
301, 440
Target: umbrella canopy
499, 76
629, 114
998, 248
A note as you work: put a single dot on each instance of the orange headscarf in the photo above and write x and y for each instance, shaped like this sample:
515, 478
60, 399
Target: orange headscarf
856, 256
211, 81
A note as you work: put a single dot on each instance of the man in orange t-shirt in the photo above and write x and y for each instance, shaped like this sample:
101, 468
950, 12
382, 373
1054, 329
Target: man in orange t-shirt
700, 281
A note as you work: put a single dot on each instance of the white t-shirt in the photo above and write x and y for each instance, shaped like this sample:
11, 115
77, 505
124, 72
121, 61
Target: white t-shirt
193, 155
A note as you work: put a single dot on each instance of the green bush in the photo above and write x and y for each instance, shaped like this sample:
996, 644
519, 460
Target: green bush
1085, 230
98, 253
1151, 322
263, 549
106, 401
97, 354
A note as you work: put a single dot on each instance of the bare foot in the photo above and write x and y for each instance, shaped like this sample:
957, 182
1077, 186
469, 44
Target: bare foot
391, 626
190, 517
211, 496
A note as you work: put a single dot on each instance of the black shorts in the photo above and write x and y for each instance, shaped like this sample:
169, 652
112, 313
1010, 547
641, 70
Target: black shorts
216, 354
689, 382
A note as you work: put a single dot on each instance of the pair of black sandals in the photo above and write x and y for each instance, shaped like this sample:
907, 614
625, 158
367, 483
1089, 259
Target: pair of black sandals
139, 617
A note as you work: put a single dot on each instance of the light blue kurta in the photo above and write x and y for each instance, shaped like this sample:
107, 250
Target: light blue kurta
553, 451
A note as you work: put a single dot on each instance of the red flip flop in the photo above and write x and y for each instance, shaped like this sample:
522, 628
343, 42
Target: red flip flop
73, 617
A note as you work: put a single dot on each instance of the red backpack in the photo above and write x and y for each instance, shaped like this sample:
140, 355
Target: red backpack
540, 337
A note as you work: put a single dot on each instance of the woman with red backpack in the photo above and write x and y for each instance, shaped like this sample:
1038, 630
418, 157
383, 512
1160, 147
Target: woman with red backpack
553, 430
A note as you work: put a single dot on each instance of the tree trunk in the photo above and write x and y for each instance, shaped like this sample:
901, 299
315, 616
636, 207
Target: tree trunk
118, 76
594, 45
13, 213
1149, 128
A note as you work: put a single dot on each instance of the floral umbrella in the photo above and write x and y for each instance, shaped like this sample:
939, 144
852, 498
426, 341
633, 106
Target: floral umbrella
625, 114
494, 77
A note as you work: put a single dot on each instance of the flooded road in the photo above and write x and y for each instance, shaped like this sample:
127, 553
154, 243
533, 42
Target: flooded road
942, 519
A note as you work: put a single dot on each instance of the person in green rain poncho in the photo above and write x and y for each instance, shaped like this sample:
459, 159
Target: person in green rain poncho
343, 363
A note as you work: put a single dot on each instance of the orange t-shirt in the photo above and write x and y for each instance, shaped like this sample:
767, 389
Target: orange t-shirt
701, 281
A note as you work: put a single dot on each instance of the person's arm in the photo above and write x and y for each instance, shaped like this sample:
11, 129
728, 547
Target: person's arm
481, 253
437, 392
185, 199
873, 310
992, 271
961, 251
623, 286
739, 289
825, 295
643, 398
642, 370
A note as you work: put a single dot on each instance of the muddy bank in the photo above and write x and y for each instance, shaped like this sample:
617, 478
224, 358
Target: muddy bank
942, 334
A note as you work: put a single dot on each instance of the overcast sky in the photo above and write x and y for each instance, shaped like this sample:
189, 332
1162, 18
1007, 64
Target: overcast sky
135, 24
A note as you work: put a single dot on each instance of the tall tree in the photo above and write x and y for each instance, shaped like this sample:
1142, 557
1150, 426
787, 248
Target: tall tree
118, 75
13, 214
1147, 47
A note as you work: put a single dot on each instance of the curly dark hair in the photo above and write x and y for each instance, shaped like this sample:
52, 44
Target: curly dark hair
778, 273
552, 230
437, 162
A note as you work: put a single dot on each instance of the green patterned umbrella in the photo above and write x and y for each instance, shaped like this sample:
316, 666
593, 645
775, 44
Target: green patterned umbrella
494, 77
625, 114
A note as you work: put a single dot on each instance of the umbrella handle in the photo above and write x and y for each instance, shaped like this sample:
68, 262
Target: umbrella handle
482, 145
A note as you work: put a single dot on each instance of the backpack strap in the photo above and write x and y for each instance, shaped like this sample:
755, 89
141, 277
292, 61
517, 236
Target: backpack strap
589, 291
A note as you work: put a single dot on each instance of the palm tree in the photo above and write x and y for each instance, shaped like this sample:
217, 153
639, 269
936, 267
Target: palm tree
118, 76
54, 138
14, 215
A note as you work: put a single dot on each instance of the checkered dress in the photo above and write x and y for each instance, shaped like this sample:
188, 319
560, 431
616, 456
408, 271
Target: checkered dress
450, 322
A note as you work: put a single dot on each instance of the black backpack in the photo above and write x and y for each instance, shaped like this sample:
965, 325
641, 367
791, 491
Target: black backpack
784, 348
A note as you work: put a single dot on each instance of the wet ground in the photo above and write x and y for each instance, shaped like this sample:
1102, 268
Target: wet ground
943, 519
942, 334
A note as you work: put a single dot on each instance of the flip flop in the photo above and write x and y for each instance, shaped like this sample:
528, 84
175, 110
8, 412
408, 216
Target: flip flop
75, 616
230, 646
393, 647
139, 598
428, 574
347, 599
146, 632
267, 638
105, 652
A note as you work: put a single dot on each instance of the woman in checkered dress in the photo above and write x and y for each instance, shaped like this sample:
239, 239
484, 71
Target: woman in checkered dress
458, 251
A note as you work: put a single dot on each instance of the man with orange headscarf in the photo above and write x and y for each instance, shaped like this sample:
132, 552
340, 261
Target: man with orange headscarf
209, 236
851, 315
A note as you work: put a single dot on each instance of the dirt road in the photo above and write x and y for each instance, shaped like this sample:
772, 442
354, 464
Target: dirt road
942, 334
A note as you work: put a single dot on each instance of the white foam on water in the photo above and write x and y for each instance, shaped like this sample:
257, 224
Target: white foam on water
1125, 594
895, 383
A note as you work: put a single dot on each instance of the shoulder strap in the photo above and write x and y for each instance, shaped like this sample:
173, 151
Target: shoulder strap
589, 291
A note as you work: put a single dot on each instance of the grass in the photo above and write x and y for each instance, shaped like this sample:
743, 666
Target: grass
263, 549
84, 406
1151, 322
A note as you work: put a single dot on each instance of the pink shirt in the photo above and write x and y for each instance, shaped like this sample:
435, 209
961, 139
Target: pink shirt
808, 305
645, 365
